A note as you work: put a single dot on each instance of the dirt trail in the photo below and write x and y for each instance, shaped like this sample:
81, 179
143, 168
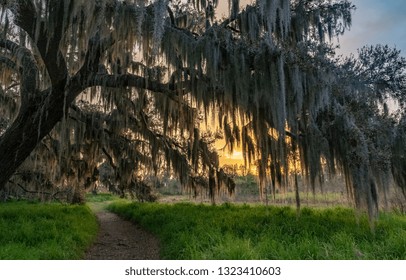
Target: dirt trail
119, 239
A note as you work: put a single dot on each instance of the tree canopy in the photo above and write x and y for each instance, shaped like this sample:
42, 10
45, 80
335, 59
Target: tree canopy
136, 83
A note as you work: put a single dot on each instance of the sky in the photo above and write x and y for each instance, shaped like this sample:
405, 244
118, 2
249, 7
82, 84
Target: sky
376, 22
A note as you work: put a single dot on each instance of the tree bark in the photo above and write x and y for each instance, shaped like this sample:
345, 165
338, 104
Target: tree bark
25, 133
32, 124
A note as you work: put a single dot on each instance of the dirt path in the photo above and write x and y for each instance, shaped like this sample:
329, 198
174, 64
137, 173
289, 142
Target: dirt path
119, 239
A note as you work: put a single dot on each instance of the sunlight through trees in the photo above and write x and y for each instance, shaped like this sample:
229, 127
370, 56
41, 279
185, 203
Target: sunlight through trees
130, 85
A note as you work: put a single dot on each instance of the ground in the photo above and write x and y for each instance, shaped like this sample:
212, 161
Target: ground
119, 239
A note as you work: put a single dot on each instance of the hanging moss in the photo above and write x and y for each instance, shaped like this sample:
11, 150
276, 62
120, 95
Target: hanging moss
151, 73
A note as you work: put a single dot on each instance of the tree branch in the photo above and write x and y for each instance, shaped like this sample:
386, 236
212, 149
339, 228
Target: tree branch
46, 41
8, 62
131, 80
27, 67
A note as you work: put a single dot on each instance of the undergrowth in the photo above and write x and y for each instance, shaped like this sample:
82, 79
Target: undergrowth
45, 231
190, 231
100, 197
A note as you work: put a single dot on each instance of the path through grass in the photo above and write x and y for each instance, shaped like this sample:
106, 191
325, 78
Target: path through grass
190, 231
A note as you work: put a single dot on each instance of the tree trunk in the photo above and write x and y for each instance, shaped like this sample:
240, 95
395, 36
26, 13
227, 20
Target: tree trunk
20, 140
297, 195
28, 129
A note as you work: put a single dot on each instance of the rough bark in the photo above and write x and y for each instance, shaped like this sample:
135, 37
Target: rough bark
28, 129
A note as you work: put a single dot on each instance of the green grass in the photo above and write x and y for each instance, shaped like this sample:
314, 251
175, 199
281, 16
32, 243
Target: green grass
45, 231
99, 202
310, 199
100, 197
190, 231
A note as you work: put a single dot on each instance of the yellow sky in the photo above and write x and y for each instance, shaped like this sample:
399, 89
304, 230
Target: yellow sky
225, 157
234, 158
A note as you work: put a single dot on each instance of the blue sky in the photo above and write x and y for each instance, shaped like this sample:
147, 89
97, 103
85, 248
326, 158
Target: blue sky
376, 22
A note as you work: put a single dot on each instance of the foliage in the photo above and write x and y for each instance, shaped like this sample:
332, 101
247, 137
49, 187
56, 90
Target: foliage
382, 70
100, 197
189, 231
45, 231
399, 158
246, 186
132, 84
125, 115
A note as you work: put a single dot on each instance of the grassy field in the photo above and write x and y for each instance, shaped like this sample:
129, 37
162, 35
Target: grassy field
45, 231
196, 231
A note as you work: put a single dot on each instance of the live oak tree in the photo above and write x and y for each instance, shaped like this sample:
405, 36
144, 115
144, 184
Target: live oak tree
52, 53
133, 83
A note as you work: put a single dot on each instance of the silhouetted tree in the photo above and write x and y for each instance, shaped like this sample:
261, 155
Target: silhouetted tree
157, 69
